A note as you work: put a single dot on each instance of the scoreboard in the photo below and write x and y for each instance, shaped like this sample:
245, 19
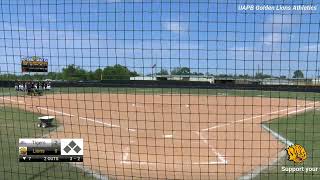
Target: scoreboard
50, 150
34, 65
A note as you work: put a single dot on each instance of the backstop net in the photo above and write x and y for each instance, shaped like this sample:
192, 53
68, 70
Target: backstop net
132, 89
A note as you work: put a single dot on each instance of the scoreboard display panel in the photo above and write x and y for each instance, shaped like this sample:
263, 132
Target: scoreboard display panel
34, 65
50, 150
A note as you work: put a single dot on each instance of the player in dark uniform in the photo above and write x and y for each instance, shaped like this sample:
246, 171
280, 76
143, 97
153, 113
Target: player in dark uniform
29, 87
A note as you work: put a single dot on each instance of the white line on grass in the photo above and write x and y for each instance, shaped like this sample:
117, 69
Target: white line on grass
283, 153
65, 114
278, 136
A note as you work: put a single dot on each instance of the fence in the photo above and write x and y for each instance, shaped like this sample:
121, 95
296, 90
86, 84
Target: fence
231, 92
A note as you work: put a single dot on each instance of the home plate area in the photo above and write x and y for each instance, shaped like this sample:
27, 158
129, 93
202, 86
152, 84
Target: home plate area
162, 151
151, 154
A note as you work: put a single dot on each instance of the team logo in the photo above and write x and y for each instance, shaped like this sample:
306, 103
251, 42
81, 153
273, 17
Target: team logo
23, 150
296, 153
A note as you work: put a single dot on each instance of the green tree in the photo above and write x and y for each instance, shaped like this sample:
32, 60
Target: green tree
298, 74
224, 76
69, 72
8, 77
262, 76
82, 74
34, 58
133, 74
181, 71
244, 76
197, 73
117, 72
73, 72
162, 72
53, 75
98, 74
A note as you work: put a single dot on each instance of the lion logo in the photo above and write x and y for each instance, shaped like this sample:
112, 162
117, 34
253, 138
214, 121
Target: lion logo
296, 153
23, 150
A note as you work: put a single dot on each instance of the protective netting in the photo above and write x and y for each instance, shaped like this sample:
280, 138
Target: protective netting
161, 89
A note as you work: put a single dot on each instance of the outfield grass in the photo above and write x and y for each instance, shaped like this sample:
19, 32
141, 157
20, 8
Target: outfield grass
193, 91
8, 91
212, 92
301, 129
15, 124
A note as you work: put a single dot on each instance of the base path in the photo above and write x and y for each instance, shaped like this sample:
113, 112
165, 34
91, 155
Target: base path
131, 136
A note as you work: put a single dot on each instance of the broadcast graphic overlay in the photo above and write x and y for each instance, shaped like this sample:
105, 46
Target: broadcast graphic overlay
50, 150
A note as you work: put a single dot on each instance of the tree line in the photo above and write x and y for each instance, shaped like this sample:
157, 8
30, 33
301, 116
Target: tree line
259, 75
76, 73
179, 71
120, 72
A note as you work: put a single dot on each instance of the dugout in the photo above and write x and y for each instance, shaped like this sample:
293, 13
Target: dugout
225, 81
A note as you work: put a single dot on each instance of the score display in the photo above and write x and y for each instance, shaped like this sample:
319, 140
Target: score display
50, 150
34, 65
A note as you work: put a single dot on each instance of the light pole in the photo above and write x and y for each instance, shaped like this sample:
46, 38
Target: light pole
153, 75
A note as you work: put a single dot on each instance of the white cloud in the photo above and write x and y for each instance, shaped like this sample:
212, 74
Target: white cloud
271, 38
311, 47
175, 26
244, 48
125, 1
276, 25
113, 1
280, 20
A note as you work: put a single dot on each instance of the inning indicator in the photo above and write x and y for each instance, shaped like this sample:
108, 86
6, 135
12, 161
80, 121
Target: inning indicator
50, 150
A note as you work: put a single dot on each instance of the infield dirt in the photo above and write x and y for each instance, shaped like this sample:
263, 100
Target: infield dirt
131, 136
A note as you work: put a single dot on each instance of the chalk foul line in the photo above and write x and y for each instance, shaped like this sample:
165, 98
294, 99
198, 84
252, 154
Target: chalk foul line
66, 114
282, 154
221, 158
83, 118
267, 114
277, 136
97, 175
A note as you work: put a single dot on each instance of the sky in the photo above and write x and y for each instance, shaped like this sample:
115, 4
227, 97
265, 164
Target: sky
212, 36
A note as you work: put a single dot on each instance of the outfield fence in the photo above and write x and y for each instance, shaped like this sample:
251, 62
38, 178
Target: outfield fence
173, 84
